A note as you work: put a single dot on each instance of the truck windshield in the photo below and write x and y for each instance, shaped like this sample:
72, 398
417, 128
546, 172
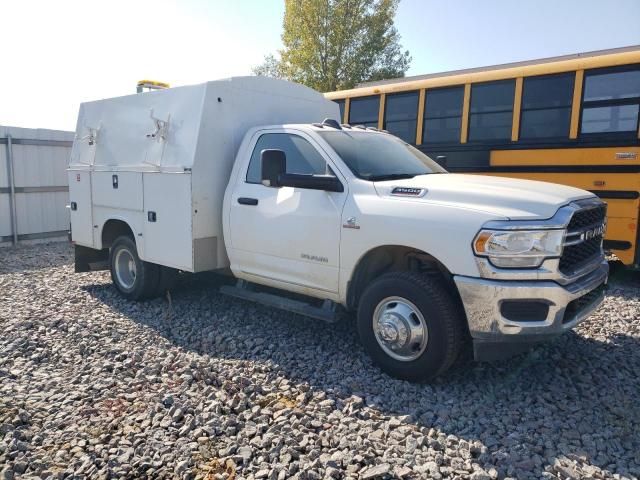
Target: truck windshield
376, 156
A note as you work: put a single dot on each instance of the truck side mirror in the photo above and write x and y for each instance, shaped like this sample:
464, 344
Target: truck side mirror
274, 163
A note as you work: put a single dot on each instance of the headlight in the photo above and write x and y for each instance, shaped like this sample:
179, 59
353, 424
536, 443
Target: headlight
518, 248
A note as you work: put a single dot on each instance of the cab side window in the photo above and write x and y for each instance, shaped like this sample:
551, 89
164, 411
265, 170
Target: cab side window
302, 157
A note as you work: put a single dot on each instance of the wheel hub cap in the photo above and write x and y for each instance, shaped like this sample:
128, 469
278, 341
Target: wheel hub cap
389, 331
400, 329
125, 267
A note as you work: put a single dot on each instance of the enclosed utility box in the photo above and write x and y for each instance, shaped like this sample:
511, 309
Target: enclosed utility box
159, 163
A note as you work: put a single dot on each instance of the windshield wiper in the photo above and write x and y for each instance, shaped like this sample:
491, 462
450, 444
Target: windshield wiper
391, 176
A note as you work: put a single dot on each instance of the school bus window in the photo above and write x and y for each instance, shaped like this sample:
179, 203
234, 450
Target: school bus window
613, 119
491, 110
341, 105
401, 115
611, 101
442, 115
546, 106
364, 111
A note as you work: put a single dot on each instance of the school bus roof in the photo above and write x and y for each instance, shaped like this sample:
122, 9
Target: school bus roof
565, 63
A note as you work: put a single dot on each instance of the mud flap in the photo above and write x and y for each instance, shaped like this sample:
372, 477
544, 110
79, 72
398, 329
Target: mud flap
88, 259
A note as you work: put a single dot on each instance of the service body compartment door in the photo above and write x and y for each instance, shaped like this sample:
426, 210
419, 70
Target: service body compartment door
119, 190
168, 220
81, 209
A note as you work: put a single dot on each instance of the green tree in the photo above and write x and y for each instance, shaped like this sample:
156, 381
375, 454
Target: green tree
269, 68
335, 44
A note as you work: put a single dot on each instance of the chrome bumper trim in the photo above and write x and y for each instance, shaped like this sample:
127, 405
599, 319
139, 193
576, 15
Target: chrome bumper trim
549, 270
482, 299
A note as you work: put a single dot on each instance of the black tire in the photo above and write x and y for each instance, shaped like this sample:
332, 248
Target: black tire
144, 284
441, 312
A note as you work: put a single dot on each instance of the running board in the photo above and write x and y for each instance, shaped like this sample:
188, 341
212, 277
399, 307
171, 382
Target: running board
329, 311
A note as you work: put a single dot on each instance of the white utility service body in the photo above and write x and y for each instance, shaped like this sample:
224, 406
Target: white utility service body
169, 153
426, 259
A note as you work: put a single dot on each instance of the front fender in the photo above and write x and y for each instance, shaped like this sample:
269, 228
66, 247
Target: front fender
441, 231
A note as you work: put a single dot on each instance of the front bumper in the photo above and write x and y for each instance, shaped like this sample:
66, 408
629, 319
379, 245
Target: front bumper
495, 336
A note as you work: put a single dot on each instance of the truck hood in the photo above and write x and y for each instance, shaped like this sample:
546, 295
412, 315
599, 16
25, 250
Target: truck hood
511, 198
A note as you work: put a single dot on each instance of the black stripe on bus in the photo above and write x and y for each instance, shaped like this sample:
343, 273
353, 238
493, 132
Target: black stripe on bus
604, 141
550, 169
626, 194
616, 245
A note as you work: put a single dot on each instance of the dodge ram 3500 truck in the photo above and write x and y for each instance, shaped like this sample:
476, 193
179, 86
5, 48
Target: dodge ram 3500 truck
326, 219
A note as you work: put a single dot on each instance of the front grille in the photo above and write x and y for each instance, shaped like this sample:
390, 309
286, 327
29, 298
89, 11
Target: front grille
589, 217
584, 252
579, 304
576, 256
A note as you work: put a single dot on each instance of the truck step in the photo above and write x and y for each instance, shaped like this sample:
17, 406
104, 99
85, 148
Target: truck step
329, 312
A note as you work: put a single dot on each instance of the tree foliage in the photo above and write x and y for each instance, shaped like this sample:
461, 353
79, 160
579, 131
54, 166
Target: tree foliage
269, 68
335, 44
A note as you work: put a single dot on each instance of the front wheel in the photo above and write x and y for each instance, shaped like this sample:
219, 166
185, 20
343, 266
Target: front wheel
134, 278
410, 325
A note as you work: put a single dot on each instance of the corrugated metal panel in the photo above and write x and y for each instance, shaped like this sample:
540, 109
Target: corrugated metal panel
42, 212
40, 164
5, 206
5, 214
4, 180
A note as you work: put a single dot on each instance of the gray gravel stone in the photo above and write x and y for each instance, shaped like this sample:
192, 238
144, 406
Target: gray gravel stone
7, 474
375, 472
480, 475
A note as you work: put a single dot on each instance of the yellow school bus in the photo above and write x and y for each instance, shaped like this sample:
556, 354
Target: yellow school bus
570, 120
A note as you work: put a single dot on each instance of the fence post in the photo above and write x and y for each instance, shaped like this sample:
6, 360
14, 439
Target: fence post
12, 190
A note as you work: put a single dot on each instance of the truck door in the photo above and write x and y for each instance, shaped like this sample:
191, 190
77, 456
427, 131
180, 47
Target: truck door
290, 235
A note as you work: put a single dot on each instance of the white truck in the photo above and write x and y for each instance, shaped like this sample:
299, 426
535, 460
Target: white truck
243, 176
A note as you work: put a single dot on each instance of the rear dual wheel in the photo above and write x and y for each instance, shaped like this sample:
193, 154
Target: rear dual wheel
410, 325
134, 278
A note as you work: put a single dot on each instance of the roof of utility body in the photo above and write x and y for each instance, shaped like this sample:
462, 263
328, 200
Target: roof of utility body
175, 128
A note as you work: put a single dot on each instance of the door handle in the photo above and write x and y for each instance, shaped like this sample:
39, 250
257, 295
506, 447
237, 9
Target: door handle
247, 201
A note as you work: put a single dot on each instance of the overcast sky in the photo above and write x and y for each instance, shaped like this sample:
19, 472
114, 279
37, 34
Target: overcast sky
57, 54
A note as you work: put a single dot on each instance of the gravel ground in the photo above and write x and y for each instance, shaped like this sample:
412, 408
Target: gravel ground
206, 386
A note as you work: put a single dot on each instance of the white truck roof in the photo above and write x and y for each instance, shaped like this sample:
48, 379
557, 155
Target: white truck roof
176, 128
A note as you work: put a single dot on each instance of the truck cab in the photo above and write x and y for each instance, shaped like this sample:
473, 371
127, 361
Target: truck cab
361, 218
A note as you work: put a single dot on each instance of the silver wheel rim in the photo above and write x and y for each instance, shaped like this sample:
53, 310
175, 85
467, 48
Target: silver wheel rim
400, 329
125, 266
